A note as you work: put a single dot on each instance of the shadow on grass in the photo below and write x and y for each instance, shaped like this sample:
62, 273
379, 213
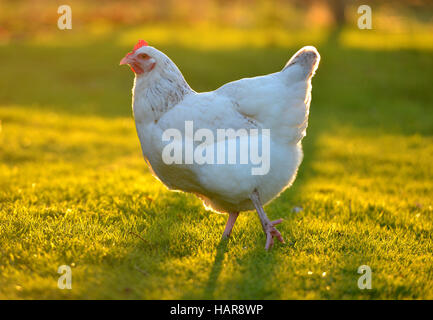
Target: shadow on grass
258, 270
216, 269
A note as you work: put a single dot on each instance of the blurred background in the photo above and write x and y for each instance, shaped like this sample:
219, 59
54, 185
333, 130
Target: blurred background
237, 30
74, 187
274, 22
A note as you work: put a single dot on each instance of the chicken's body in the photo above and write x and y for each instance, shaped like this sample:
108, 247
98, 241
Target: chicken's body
162, 100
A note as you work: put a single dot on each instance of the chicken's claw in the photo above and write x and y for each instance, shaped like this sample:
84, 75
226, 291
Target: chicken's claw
272, 232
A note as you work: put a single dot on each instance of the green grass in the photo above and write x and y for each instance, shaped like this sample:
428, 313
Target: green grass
74, 189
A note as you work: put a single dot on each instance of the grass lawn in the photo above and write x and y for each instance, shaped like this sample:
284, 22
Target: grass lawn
74, 189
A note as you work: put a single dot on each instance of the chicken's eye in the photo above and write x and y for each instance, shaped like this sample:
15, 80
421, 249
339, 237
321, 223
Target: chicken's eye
143, 56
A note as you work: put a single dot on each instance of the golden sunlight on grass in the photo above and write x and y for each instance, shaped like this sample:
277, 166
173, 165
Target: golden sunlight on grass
208, 37
375, 40
211, 37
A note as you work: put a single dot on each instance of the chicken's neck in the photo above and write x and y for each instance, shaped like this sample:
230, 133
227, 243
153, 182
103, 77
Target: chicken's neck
157, 93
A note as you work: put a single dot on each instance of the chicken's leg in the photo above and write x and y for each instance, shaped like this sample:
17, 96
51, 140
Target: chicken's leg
267, 225
230, 223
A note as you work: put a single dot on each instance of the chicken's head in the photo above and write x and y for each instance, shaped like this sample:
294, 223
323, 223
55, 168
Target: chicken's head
142, 59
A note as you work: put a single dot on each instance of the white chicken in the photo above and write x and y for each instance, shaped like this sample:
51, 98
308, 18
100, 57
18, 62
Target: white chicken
279, 102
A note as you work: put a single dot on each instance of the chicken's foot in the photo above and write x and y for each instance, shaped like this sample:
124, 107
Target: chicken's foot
267, 225
230, 223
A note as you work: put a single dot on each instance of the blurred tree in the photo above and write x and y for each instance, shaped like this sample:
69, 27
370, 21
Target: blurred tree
338, 9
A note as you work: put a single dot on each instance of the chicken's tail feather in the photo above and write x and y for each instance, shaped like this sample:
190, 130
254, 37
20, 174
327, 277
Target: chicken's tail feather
307, 58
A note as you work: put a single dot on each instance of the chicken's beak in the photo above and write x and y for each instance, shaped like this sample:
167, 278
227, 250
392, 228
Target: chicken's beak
126, 60
132, 61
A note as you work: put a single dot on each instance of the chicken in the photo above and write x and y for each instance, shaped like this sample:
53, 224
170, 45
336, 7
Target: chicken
272, 109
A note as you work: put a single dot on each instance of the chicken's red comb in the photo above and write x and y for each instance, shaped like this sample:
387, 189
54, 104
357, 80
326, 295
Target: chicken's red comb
140, 43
